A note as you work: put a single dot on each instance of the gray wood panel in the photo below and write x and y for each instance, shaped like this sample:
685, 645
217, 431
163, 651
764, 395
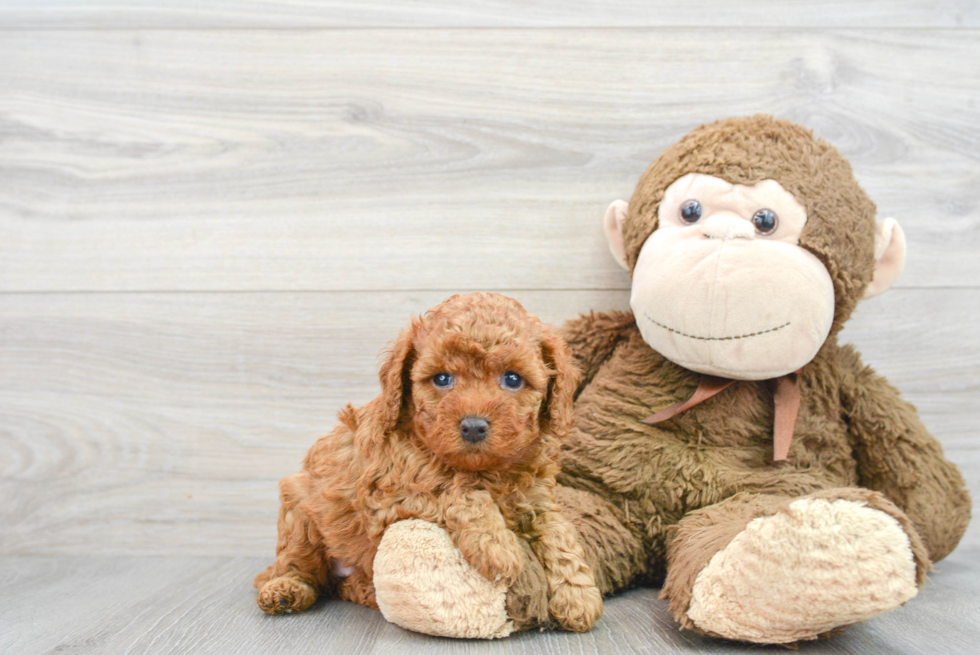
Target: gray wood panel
183, 14
110, 606
436, 159
160, 423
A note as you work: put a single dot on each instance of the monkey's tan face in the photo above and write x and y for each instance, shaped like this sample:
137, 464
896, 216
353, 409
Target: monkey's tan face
722, 286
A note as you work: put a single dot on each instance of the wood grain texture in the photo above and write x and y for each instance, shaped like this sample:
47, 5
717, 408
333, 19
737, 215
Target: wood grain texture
160, 423
112, 606
302, 14
435, 159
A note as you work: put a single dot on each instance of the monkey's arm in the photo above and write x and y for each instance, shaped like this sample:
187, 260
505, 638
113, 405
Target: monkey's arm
593, 337
898, 457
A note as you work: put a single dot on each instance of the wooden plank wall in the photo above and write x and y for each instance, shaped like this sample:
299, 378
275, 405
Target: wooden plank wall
213, 216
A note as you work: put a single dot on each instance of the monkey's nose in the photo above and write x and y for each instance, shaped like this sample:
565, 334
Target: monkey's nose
727, 226
474, 428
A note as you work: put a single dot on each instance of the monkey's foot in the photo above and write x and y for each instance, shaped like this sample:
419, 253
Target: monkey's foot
423, 583
817, 565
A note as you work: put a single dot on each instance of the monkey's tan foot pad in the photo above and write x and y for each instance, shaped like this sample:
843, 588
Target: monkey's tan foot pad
423, 583
816, 566
285, 595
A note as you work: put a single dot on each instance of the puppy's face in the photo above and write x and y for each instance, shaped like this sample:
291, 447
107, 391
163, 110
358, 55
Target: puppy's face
484, 384
478, 394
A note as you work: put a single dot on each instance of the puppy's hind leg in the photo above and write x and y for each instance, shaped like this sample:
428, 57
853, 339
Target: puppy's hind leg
357, 587
292, 583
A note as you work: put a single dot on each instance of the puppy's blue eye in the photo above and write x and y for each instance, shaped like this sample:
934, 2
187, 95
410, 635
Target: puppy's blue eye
442, 380
512, 381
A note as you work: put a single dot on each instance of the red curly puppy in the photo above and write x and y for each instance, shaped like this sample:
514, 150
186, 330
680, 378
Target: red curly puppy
475, 396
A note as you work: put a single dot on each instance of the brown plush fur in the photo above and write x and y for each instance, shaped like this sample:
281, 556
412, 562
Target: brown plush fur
402, 456
854, 432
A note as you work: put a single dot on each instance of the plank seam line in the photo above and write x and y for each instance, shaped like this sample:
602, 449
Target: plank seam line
802, 29
503, 290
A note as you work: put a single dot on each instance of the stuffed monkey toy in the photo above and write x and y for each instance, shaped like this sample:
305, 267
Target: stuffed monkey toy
725, 445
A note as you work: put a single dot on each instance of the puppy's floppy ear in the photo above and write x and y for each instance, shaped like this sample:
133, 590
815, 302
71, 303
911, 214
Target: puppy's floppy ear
557, 416
396, 383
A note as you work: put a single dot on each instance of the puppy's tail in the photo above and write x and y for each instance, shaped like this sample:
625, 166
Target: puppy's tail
348, 416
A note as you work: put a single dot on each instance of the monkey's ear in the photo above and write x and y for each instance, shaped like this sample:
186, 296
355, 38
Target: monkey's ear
613, 224
396, 383
889, 256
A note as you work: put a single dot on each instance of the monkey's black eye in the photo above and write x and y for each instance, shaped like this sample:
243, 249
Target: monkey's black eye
442, 380
765, 221
691, 211
512, 381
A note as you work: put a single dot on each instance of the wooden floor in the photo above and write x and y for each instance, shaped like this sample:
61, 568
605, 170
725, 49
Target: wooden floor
196, 605
214, 215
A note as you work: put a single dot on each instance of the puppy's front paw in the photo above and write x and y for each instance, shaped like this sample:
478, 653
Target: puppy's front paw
285, 595
576, 608
498, 562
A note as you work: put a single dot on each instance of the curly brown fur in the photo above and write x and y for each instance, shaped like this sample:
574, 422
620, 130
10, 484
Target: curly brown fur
402, 456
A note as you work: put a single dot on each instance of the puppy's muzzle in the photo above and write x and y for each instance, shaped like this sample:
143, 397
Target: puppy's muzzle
474, 428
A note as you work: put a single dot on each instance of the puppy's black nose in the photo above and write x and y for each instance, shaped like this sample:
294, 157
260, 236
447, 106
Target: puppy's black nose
474, 428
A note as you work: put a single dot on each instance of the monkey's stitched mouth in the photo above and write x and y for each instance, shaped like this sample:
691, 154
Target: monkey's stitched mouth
731, 338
